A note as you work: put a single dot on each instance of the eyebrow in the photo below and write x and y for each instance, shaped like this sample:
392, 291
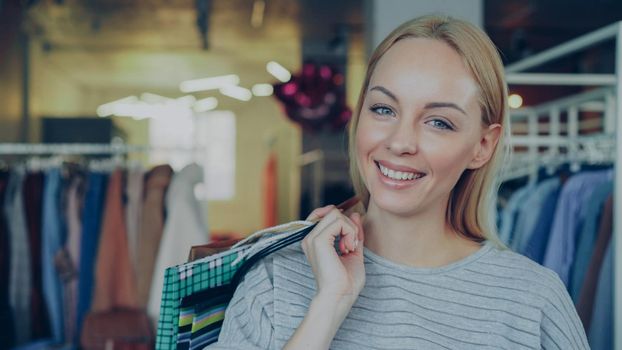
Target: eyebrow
431, 105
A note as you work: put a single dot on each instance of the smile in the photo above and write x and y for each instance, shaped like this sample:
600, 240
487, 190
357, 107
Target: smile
401, 176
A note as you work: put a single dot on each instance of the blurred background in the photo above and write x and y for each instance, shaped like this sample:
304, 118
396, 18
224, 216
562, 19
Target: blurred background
132, 130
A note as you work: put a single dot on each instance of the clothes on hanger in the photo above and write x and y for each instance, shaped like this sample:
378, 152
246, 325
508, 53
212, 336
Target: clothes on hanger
6, 315
71, 239
33, 197
185, 227
19, 276
561, 246
570, 234
152, 226
115, 283
53, 241
91, 222
133, 209
595, 216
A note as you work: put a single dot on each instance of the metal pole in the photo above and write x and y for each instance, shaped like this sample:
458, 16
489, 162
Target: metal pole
25, 124
560, 79
617, 237
581, 42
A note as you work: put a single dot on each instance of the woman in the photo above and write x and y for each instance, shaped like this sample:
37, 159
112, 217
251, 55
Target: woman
422, 268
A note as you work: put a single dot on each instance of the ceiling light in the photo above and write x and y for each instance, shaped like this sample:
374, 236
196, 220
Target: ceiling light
107, 109
236, 92
278, 71
515, 101
262, 90
212, 83
206, 104
153, 98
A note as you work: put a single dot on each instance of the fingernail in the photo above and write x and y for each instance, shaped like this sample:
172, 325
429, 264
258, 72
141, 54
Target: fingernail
356, 243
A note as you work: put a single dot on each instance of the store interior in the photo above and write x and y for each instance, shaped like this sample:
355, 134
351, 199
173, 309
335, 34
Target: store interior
131, 131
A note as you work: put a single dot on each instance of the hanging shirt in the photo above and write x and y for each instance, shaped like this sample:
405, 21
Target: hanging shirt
601, 329
74, 234
6, 317
20, 270
510, 211
588, 289
536, 247
492, 299
91, 221
528, 213
185, 227
151, 228
587, 237
53, 235
115, 284
575, 193
133, 209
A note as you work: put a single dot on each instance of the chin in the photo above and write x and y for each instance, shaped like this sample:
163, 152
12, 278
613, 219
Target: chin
397, 206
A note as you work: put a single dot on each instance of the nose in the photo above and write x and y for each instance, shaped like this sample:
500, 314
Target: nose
403, 140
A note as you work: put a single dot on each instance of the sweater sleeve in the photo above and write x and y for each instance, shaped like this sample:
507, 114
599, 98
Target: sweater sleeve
249, 316
560, 327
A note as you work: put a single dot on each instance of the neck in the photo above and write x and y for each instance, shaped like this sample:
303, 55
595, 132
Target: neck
423, 239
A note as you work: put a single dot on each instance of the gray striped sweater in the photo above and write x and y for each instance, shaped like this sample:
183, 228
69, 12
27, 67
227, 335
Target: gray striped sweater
492, 299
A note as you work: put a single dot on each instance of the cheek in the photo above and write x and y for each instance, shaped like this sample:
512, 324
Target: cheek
447, 156
368, 137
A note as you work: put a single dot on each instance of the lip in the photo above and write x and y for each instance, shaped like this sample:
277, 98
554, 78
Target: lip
396, 184
396, 167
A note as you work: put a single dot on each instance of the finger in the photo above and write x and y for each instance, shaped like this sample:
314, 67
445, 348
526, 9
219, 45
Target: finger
360, 238
332, 226
320, 212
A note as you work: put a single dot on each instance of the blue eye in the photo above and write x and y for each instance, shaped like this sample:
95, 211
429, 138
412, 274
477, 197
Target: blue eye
441, 124
381, 110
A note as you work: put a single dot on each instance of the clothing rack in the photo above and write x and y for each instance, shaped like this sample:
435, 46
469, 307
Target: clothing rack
610, 103
579, 149
114, 148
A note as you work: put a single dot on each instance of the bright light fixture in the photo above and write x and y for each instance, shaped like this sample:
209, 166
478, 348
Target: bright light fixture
107, 109
262, 90
236, 92
515, 101
206, 104
212, 83
278, 71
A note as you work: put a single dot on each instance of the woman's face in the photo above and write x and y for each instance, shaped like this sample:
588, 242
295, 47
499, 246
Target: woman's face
420, 127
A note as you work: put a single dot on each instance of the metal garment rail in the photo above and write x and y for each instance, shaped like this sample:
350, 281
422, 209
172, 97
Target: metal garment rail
517, 74
83, 148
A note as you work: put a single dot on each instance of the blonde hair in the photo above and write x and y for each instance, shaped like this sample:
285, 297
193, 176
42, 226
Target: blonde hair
470, 209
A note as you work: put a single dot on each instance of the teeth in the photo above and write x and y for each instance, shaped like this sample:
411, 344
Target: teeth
398, 175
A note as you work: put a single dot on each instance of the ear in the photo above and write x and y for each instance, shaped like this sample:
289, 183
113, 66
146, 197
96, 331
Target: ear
487, 146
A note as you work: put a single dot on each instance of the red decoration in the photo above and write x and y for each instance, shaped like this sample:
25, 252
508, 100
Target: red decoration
315, 97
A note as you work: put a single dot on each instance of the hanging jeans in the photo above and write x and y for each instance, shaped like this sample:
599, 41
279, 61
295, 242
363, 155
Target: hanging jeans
52, 241
91, 223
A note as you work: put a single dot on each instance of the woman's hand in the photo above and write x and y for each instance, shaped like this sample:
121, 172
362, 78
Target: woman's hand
337, 276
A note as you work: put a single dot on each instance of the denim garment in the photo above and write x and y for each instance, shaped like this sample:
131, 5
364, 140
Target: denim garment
560, 249
20, 271
6, 316
508, 216
91, 225
528, 213
587, 237
600, 334
536, 246
52, 234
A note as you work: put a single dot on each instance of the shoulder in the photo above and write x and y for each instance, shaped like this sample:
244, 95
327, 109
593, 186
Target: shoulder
291, 257
518, 269
543, 288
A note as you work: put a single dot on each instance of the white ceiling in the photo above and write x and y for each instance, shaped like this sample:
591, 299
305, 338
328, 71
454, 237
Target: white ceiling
154, 45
